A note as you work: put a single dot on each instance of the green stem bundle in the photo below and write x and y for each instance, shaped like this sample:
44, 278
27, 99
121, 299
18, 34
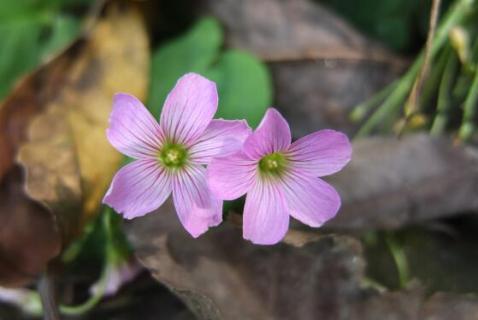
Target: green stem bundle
394, 96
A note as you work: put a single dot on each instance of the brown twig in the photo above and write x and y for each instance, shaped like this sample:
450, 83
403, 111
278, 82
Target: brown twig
411, 106
46, 289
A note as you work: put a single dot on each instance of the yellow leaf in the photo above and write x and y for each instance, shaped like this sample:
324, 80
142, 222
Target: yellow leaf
53, 124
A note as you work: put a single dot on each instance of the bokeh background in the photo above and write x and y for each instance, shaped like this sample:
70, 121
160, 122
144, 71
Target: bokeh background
403, 246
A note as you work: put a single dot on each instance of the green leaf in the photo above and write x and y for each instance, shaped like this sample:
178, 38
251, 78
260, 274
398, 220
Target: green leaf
192, 52
244, 86
30, 30
9, 9
243, 82
392, 22
18, 52
64, 29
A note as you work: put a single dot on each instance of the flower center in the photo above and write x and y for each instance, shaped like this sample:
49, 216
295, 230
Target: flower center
272, 164
173, 156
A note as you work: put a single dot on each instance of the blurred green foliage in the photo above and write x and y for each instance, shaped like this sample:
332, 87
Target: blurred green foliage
244, 84
441, 255
193, 52
399, 24
31, 30
450, 91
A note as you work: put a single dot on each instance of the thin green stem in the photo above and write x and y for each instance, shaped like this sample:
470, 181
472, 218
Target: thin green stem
89, 304
400, 259
453, 17
46, 285
470, 107
110, 255
362, 109
374, 284
432, 85
443, 106
391, 104
412, 102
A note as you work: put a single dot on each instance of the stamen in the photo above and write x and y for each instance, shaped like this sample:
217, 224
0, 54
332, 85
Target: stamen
173, 156
273, 164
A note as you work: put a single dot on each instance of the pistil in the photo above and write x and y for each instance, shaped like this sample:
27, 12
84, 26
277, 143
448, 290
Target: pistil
273, 164
173, 156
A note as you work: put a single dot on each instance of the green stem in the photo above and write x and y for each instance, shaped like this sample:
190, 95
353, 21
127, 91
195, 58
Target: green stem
390, 104
87, 305
110, 255
412, 107
441, 119
45, 295
453, 17
374, 284
396, 98
470, 107
433, 84
362, 109
400, 259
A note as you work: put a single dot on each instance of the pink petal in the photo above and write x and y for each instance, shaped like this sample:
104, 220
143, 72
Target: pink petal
195, 205
321, 153
221, 137
138, 188
189, 108
133, 131
272, 134
311, 200
266, 217
232, 176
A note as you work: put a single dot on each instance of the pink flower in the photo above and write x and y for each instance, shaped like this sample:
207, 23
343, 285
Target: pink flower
170, 155
280, 178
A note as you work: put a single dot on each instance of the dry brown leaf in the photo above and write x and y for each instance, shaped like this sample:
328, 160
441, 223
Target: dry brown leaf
393, 182
321, 66
29, 237
293, 30
78, 164
222, 276
54, 125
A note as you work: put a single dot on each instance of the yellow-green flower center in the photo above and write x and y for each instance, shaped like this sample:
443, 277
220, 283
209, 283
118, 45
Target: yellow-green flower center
272, 164
173, 156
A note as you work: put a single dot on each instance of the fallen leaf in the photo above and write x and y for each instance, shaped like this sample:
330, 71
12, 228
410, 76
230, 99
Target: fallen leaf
413, 304
54, 125
222, 276
392, 182
29, 237
321, 67
320, 94
107, 64
293, 30
443, 306
441, 254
